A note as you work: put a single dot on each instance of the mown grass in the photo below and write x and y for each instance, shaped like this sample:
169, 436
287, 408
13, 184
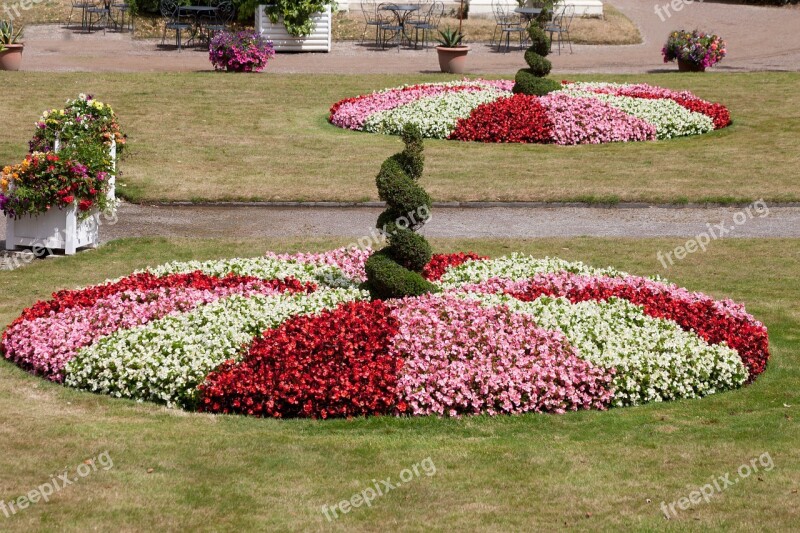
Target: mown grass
587, 471
215, 136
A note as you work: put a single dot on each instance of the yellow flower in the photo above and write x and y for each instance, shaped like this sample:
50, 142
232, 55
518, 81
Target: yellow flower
4, 184
7, 170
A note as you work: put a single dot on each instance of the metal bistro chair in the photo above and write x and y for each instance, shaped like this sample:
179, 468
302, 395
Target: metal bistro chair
221, 20
430, 23
514, 25
124, 18
99, 13
390, 24
83, 6
172, 13
369, 8
562, 20
418, 16
503, 17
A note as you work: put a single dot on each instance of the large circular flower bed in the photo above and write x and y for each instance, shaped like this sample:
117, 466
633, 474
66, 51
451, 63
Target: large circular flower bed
487, 111
296, 336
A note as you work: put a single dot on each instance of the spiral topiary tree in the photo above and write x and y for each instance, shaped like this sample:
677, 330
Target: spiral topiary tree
394, 271
532, 80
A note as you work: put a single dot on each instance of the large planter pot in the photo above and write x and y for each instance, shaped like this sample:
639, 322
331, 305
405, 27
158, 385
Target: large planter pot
59, 229
690, 66
319, 40
11, 57
453, 60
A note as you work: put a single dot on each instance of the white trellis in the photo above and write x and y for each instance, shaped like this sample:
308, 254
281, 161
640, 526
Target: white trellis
57, 228
319, 40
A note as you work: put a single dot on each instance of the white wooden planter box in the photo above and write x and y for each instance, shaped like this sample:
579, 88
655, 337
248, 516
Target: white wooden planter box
59, 229
319, 40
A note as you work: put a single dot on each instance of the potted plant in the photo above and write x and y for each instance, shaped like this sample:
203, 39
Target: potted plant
695, 51
245, 51
452, 53
10, 47
55, 196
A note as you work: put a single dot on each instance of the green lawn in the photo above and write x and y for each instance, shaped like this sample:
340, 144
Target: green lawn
588, 470
214, 136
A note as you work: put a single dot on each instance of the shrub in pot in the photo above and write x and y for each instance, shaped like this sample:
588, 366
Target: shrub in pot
10, 47
452, 53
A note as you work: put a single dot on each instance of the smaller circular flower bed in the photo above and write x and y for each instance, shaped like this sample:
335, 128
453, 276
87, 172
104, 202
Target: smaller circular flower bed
487, 111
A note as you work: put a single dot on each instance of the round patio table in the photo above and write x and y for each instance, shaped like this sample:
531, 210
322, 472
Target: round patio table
401, 12
529, 12
196, 12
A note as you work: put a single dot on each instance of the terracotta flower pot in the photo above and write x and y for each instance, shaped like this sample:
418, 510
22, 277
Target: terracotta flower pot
690, 66
11, 57
453, 60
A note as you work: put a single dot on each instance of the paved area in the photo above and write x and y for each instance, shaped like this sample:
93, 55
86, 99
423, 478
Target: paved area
759, 38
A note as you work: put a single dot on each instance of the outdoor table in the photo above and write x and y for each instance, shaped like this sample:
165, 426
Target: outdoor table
401, 12
196, 12
529, 12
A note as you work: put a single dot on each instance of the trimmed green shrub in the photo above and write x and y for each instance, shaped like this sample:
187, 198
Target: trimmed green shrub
394, 272
532, 80
528, 82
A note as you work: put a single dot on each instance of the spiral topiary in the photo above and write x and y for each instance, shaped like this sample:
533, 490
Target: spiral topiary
394, 271
532, 80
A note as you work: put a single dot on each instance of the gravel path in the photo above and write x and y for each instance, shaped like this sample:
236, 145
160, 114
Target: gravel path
759, 38
243, 222
357, 223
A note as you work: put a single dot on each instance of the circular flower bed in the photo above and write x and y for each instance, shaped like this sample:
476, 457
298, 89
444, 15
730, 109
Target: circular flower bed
487, 111
296, 336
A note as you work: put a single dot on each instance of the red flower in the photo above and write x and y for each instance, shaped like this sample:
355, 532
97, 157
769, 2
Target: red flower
68, 199
85, 205
518, 119
335, 364
439, 263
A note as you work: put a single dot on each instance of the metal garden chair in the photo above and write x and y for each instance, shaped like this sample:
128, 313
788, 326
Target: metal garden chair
221, 20
369, 8
562, 20
428, 24
170, 9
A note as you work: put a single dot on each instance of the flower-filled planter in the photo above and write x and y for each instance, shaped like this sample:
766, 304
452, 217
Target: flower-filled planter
53, 198
695, 52
245, 51
55, 203
314, 35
